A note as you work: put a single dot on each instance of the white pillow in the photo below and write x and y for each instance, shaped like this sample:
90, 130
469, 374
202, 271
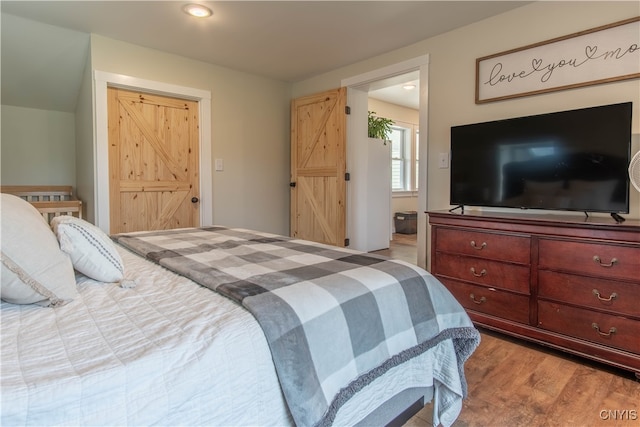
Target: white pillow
34, 269
92, 252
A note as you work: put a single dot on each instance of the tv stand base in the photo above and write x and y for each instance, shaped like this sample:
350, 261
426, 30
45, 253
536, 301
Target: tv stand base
617, 217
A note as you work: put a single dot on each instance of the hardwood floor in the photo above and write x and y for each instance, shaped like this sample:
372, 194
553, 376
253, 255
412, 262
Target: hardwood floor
403, 246
514, 383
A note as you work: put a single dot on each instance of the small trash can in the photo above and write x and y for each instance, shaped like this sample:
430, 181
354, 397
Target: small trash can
406, 222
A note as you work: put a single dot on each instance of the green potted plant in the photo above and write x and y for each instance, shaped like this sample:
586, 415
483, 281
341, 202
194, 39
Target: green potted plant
379, 127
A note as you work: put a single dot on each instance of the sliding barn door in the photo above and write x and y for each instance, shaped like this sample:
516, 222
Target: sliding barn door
153, 161
318, 162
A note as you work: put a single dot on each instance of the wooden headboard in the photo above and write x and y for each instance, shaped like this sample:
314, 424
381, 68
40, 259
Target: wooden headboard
50, 200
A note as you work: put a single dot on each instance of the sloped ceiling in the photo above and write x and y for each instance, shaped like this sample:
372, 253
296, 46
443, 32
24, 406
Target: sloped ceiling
42, 64
45, 43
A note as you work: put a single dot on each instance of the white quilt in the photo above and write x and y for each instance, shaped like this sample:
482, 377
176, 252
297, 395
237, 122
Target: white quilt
167, 352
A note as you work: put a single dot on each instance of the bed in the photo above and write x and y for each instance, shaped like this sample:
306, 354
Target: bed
208, 326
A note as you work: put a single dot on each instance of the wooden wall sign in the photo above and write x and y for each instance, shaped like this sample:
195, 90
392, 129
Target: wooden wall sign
599, 55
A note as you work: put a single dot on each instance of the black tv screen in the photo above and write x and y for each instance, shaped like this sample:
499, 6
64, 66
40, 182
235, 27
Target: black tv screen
570, 160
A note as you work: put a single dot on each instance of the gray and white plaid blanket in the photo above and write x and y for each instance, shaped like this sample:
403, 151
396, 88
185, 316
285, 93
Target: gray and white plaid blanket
335, 319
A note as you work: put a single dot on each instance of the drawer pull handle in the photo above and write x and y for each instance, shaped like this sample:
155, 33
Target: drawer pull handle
611, 297
480, 301
476, 247
481, 274
604, 334
597, 259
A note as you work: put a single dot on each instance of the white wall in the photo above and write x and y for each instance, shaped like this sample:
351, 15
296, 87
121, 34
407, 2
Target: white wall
452, 79
394, 112
250, 130
38, 147
85, 161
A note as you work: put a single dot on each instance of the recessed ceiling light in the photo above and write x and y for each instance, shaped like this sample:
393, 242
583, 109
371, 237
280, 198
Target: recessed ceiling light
197, 10
409, 87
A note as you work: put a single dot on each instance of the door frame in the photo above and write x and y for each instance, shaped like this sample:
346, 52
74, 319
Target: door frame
357, 89
101, 137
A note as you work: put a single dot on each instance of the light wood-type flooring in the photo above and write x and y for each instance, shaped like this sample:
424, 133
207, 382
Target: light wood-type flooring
514, 383
402, 246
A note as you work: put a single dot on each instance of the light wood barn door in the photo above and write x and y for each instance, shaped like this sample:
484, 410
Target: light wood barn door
153, 162
318, 162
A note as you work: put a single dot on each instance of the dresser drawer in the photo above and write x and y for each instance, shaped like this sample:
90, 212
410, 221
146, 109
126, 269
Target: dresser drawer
490, 301
502, 247
485, 272
611, 261
605, 329
608, 295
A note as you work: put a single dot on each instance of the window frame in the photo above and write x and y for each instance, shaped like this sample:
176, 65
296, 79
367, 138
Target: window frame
409, 159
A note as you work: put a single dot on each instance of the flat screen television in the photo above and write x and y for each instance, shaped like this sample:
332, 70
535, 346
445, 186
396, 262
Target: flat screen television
570, 160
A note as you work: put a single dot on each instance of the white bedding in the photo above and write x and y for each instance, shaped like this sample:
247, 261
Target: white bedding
167, 352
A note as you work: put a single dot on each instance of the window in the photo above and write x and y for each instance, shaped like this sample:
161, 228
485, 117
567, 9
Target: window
404, 158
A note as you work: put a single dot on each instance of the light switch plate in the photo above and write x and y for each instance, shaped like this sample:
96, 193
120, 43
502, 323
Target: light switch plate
219, 165
443, 160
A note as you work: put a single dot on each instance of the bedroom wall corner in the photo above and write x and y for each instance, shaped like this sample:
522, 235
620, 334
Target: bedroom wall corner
84, 144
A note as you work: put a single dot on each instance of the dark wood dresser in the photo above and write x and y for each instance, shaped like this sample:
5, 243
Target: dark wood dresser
569, 282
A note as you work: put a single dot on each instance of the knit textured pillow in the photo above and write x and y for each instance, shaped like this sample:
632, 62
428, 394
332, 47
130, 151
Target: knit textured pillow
92, 252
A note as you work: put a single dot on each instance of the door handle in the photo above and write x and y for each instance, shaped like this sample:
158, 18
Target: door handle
194, 200
292, 184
